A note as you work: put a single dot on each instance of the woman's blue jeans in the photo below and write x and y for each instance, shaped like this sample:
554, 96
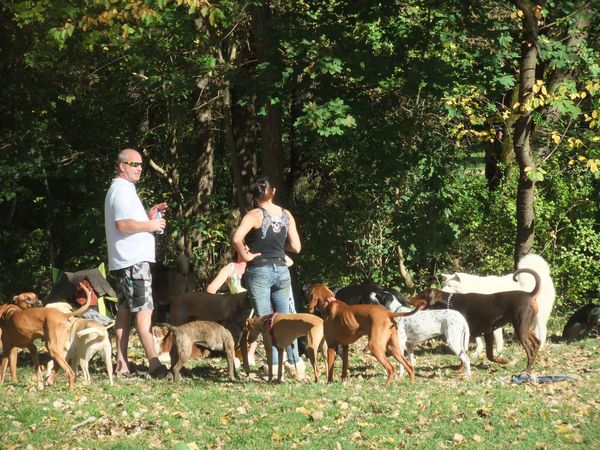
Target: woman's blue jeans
269, 289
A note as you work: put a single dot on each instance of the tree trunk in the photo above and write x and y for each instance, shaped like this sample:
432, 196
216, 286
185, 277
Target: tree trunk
245, 136
524, 125
406, 276
271, 121
204, 168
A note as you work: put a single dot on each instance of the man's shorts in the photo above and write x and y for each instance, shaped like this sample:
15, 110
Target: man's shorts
134, 287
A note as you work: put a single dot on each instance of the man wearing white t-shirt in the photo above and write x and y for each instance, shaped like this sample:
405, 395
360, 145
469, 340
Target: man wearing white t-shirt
131, 248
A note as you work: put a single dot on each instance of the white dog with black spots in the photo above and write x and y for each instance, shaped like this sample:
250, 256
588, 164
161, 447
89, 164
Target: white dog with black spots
427, 324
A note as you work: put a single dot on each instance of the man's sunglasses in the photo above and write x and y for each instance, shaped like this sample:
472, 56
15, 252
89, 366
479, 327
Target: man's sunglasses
132, 163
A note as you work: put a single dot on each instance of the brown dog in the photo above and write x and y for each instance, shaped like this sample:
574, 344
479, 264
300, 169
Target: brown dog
486, 312
280, 330
230, 310
24, 300
344, 324
186, 338
20, 327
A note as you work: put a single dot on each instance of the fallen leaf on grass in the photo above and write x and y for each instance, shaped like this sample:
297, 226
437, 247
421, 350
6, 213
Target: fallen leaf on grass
458, 437
276, 437
317, 415
302, 410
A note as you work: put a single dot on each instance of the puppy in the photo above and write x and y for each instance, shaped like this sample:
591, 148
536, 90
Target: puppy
280, 330
86, 338
208, 335
463, 283
428, 324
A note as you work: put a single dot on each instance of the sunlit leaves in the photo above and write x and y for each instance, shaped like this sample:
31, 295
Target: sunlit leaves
536, 174
330, 118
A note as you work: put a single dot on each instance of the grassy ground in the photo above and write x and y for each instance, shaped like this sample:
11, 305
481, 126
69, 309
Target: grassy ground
439, 410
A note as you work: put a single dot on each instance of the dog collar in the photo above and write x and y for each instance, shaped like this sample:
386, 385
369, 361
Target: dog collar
449, 298
268, 325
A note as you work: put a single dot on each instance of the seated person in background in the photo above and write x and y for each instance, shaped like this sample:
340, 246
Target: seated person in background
231, 274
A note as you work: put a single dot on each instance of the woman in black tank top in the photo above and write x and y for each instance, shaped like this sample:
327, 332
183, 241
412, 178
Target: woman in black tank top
268, 231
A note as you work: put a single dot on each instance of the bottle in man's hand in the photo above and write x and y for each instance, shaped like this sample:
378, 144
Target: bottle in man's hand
158, 216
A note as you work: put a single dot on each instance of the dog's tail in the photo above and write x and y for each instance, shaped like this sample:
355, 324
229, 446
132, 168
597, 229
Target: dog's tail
536, 289
85, 306
538, 281
91, 330
405, 314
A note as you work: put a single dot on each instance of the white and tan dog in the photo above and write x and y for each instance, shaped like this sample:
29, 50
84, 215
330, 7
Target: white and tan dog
463, 283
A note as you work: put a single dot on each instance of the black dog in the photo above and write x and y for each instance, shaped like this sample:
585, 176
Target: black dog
583, 322
365, 293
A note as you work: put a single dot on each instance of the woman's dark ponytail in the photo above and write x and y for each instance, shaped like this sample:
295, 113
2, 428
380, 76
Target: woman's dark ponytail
261, 189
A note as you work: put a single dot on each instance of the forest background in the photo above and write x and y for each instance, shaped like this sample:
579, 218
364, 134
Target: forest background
408, 138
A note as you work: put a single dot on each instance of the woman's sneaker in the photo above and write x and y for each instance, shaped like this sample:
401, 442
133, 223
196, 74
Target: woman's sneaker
298, 370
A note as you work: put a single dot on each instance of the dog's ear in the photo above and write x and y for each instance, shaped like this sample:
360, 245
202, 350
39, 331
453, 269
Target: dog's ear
447, 276
159, 330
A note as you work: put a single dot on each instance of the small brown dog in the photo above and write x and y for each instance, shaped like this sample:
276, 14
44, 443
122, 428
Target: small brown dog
230, 310
343, 324
185, 339
21, 327
280, 330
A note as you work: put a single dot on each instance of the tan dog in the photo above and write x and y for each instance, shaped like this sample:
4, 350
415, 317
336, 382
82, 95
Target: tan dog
21, 327
280, 330
207, 335
344, 324
87, 338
